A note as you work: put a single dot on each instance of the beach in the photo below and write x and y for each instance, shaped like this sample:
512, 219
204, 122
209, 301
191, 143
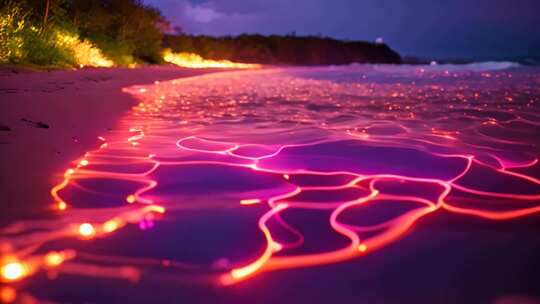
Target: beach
75, 107
379, 183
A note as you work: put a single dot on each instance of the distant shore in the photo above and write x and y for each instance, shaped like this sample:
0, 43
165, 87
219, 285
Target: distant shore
283, 50
49, 119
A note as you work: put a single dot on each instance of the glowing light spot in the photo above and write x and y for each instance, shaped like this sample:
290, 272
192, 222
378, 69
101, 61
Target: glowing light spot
362, 247
53, 259
250, 201
13, 271
87, 230
130, 198
61, 205
111, 225
286, 176
83, 162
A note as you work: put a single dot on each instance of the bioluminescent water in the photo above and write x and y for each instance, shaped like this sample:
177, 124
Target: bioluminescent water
250, 182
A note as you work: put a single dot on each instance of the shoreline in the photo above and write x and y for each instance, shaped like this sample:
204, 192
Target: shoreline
51, 118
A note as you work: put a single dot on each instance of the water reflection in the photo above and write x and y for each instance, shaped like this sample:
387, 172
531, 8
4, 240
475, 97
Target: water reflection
216, 179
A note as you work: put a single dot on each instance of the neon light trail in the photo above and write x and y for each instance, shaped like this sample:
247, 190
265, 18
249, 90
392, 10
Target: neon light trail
254, 172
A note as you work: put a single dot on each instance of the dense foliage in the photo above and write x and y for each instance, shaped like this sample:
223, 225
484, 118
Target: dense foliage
58, 32
124, 32
289, 49
124, 29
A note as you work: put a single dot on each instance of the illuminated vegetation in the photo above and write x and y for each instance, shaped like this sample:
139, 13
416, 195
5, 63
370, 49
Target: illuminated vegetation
194, 61
64, 33
104, 33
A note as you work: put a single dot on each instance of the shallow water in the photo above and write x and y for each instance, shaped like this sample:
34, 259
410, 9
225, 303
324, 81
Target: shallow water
380, 184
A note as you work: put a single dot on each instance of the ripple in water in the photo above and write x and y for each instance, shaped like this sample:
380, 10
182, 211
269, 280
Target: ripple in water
219, 178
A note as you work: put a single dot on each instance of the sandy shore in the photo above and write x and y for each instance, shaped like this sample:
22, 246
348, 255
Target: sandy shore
48, 119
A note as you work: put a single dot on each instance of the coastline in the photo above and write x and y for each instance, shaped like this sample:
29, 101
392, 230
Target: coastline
50, 119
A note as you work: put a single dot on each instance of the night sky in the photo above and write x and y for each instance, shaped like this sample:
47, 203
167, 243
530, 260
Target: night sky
482, 29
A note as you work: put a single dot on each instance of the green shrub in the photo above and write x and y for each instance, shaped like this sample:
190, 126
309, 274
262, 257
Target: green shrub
12, 27
46, 48
119, 52
21, 42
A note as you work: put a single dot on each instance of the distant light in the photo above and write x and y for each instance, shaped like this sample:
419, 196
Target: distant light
87, 230
286, 176
433, 62
379, 40
84, 162
13, 271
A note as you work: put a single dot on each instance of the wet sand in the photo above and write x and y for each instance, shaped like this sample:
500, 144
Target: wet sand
49, 119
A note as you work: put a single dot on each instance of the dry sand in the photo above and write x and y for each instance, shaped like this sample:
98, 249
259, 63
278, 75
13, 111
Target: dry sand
78, 106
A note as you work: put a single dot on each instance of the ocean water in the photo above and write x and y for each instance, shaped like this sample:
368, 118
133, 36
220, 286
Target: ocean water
356, 184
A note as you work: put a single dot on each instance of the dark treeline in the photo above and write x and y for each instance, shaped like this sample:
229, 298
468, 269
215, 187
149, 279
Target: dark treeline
66, 32
120, 27
290, 49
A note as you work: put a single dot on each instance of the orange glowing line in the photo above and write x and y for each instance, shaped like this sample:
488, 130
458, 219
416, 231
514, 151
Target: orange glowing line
252, 201
194, 61
492, 215
327, 257
242, 273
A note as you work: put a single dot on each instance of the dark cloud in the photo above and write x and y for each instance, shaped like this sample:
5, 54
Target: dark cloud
452, 28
